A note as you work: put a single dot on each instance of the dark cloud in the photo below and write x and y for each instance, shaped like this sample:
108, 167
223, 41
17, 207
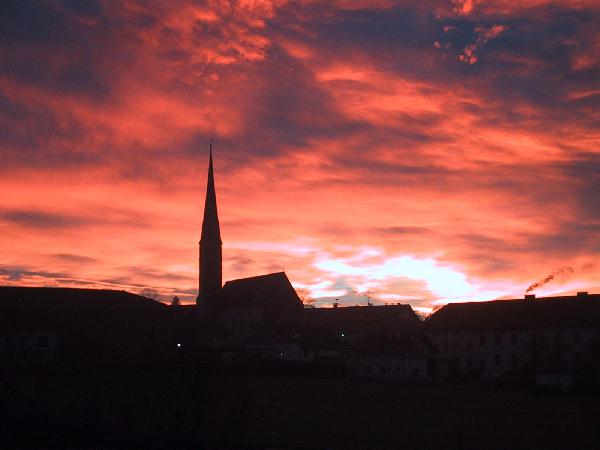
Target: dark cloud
33, 22
403, 230
137, 272
583, 174
14, 274
40, 219
240, 263
78, 259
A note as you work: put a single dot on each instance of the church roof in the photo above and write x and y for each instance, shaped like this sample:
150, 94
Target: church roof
55, 298
274, 290
210, 224
579, 311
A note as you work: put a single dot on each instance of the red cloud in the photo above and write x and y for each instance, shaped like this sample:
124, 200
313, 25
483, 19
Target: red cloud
340, 143
484, 35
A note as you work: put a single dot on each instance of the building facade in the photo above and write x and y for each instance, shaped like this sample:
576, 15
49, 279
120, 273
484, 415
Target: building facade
493, 338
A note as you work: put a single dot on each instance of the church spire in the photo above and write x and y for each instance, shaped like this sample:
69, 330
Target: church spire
211, 277
210, 224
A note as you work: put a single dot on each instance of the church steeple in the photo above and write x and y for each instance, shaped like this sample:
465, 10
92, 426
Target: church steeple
211, 277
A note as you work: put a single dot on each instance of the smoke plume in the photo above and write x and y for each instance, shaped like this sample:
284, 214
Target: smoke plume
563, 273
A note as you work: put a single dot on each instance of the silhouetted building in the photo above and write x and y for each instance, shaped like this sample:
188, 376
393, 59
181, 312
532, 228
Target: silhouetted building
385, 341
401, 356
244, 306
354, 323
248, 304
496, 337
39, 325
211, 260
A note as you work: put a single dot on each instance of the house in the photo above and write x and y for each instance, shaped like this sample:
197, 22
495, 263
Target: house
354, 323
403, 356
39, 325
496, 337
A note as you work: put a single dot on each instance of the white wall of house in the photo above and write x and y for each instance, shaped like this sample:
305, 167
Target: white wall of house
284, 351
387, 367
496, 352
563, 381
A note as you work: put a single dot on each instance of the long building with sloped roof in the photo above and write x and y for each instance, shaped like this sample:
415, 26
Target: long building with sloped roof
496, 337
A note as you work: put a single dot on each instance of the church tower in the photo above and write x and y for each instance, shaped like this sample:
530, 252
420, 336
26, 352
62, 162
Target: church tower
211, 276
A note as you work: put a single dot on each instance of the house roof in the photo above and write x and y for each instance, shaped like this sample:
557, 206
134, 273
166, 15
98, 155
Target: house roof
387, 317
60, 298
581, 311
273, 290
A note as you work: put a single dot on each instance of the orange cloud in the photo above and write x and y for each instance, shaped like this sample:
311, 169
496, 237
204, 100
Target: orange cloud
483, 36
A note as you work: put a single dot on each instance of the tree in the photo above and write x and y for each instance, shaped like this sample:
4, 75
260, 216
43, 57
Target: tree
175, 301
151, 293
307, 300
367, 296
435, 309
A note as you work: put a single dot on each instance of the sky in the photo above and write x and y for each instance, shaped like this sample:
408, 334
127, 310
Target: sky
415, 151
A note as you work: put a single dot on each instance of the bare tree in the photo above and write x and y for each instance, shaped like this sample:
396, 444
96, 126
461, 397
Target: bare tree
435, 309
151, 293
368, 297
175, 301
307, 300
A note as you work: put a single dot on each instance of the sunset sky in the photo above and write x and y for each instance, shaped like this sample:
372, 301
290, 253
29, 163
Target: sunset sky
414, 151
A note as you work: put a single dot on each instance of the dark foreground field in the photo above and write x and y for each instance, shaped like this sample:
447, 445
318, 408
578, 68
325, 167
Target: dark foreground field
346, 414
121, 409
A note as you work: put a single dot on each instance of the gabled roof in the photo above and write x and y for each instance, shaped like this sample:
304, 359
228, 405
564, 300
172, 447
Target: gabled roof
581, 311
273, 290
395, 318
61, 298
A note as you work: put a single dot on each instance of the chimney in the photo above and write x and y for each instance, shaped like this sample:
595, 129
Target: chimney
582, 294
529, 296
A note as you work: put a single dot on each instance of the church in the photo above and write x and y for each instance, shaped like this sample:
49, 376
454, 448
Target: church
243, 306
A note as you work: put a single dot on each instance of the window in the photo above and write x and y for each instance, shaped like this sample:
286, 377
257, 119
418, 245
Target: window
369, 369
469, 361
382, 369
576, 337
514, 338
497, 338
482, 340
469, 345
515, 359
497, 360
